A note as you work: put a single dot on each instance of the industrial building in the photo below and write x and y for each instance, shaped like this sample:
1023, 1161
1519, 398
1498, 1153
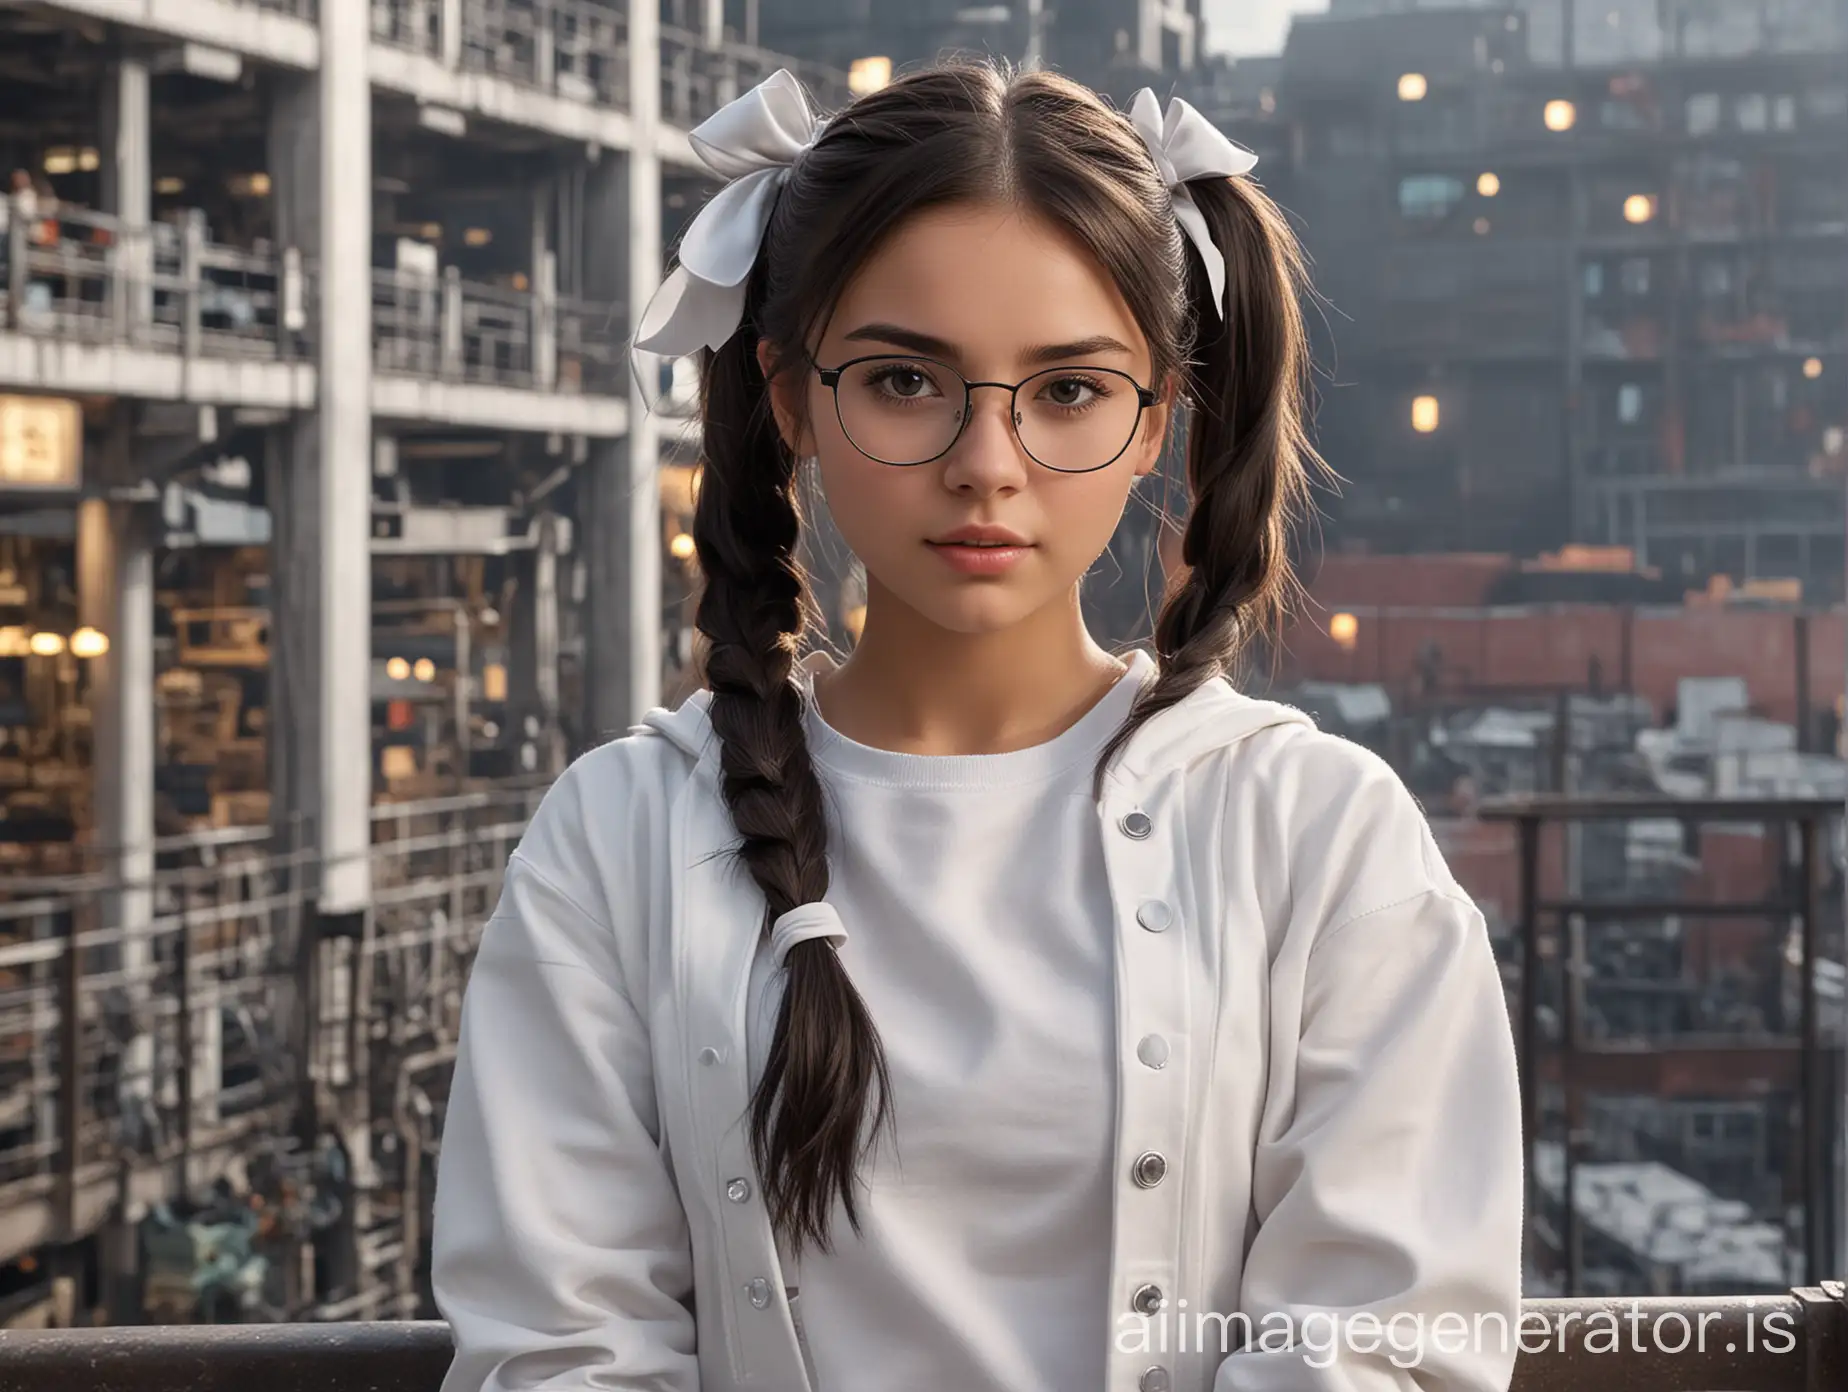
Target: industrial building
1585, 265
332, 521
1583, 346
1113, 45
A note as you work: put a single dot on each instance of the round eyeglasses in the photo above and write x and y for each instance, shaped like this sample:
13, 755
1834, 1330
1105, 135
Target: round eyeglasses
907, 411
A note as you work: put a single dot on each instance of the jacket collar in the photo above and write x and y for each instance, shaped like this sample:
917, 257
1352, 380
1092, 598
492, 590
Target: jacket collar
1213, 716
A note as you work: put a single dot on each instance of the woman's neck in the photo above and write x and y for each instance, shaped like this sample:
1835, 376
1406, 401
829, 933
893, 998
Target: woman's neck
914, 688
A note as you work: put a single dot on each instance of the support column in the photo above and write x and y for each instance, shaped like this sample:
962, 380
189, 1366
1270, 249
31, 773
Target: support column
345, 494
128, 188
621, 511
545, 288
533, 707
545, 645
115, 544
320, 157
115, 596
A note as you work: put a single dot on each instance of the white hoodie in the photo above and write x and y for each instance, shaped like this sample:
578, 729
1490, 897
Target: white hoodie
1329, 1071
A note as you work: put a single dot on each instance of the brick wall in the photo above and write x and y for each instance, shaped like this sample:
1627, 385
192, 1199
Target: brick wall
1529, 650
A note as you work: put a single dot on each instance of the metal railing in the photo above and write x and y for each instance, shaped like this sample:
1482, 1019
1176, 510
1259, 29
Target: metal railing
1785, 1044
85, 275
1720, 1344
697, 77
578, 50
591, 347
106, 1032
413, 24
147, 1023
575, 49
456, 330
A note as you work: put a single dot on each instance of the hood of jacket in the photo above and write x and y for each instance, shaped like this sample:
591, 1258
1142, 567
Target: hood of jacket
1213, 716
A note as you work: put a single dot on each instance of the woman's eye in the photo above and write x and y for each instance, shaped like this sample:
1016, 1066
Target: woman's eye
902, 382
1070, 391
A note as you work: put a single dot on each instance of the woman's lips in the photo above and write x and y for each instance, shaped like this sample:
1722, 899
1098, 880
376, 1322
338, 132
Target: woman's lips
986, 558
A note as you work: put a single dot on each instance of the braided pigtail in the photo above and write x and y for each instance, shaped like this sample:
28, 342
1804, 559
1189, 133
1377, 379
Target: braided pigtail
825, 1063
1248, 452
776, 253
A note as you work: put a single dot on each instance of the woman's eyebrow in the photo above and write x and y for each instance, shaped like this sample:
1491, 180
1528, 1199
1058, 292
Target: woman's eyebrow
1078, 348
901, 337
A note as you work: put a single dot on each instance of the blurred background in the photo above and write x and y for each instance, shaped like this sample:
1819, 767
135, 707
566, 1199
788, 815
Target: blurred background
333, 523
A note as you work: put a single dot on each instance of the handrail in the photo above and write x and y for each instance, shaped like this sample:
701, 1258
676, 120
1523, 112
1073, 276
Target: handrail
1794, 1342
78, 273
698, 77
113, 979
1552, 928
575, 49
455, 330
70, 271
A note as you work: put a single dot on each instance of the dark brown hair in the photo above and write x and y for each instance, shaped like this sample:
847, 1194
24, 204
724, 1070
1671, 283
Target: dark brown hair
958, 133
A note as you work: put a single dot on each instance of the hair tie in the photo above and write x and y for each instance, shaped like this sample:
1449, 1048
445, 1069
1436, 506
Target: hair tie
1185, 145
751, 143
804, 923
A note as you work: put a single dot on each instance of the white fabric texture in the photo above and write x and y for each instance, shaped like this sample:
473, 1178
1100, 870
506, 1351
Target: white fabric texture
985, 1255
1308, 1026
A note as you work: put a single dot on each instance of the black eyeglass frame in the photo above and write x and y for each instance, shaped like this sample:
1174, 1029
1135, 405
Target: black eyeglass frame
831, 379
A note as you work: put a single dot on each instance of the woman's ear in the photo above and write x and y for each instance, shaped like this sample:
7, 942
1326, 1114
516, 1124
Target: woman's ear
786, 402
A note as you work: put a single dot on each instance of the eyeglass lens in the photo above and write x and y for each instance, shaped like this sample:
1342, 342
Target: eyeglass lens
910, 411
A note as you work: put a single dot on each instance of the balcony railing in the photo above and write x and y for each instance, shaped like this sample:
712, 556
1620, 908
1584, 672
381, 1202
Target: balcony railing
697, 78
1571, 1051
576, 49
1721, 1344
148, 1024
85, 275
454, 330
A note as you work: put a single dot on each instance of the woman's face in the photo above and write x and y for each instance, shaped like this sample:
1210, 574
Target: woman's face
982, 536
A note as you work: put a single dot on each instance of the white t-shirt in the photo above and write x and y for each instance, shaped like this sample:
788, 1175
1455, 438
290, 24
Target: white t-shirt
984, 1259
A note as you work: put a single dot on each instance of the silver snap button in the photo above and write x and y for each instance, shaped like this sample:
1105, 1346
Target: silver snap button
1147, 1300
1136, 825
738, 1190
1153, 1051
1153, 1380
708, 1056
1155, 916
759, 1292
1149, 1170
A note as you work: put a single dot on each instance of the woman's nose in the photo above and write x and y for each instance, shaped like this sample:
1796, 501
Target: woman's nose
988, 456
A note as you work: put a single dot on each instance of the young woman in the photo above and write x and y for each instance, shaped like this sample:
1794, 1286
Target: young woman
985, 1013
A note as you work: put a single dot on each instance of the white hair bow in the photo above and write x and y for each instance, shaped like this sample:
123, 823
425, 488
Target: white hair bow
1185, 145
751, 143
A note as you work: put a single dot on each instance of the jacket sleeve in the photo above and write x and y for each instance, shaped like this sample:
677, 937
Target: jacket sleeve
561, 1255
1388, 1191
